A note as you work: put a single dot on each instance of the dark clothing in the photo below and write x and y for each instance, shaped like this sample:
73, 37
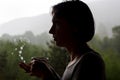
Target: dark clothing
89, 66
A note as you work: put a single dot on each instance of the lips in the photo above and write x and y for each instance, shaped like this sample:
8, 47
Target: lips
54, 37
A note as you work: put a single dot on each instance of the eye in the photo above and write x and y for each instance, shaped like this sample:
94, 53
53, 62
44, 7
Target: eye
57, 26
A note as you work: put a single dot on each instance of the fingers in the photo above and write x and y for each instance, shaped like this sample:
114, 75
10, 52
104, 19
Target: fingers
37, 67
29, 68
24, 66
34, 66
40, 59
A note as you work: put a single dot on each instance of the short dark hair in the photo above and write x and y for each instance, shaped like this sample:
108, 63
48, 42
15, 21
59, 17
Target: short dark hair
79, 16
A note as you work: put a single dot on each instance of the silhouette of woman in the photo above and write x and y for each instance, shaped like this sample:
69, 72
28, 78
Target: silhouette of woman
73, 27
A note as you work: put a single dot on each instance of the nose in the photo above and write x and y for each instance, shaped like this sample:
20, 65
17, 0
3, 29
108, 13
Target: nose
52, 30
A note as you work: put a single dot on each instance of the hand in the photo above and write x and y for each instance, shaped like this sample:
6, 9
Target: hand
38, 67
25, 66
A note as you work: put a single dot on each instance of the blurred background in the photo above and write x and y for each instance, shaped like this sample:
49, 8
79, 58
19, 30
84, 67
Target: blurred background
24, 26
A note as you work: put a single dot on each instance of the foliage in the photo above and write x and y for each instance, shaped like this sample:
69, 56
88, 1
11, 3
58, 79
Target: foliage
9, 59
11, 52
109, 48
116, 38
58, 57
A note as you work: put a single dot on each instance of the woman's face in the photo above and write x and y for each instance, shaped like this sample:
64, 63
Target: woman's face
61, 31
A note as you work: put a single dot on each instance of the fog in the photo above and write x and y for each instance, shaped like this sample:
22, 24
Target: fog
23, 38
106, 15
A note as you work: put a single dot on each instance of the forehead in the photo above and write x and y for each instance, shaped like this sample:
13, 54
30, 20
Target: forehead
61, 22
56, 18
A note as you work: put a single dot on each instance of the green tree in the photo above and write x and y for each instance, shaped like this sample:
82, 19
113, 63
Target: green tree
116, 38
58, 57
106, 47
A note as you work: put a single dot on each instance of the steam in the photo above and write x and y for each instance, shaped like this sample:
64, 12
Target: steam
20, 44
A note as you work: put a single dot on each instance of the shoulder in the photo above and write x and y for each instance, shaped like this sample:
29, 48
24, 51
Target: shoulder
91, 57
90, 60
91, 66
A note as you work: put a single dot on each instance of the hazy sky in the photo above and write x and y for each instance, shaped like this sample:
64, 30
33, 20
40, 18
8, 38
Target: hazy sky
13, 9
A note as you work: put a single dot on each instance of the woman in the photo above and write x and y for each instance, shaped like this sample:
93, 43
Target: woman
73, 27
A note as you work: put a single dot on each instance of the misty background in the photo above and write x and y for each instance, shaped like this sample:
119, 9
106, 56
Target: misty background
25, 37
106, 14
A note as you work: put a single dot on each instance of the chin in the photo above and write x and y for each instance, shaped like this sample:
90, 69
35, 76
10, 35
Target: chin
60, 44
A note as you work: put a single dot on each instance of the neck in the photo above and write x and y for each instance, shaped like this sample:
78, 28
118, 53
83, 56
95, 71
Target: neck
77, 50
